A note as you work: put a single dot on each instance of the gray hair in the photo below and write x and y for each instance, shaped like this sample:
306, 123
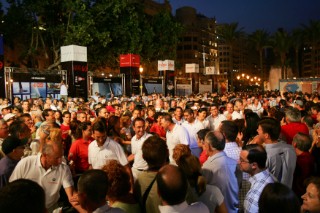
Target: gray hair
293, 114
302, 141
216, 140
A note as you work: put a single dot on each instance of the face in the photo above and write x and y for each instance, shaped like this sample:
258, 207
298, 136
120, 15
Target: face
50, 116
164, 124
178, 112
82, 117
311, 201
188, 117
100, 137
19, 151
87, 133
103, 113
136, 113
230, 108
25, 105
202, 115
245, 166
151, 113
55, 158
139, 129
214, 111
261, 134
28, 121
67, 118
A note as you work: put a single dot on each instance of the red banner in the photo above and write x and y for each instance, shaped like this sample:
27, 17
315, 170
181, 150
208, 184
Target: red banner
129, 60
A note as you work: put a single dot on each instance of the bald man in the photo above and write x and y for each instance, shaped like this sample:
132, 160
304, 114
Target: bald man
172, 188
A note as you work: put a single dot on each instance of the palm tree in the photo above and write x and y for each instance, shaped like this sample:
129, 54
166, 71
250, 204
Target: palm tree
281, 44
260, 40
229, 34
312, 36
297, 41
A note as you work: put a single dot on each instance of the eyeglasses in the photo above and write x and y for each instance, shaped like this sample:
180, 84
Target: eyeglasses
243, 161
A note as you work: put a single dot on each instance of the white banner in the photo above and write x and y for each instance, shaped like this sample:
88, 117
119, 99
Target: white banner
205, 86
192, 68
73, 53
211, 71
166, 65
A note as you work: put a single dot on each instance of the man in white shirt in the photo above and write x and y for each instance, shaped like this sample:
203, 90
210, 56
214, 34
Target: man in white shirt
231, 114
215, 118
176, 134
178, 116
193, 126
139, 164
172, 188
48, 170
63, 91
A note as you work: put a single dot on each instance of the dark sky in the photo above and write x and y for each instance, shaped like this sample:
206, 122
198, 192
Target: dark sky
256, 14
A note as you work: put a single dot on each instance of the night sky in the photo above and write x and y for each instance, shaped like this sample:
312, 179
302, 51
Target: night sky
256, 14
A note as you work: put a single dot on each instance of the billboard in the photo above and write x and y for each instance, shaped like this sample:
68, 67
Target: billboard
166, 65
129, 60
192, 68
107, 86
183, 86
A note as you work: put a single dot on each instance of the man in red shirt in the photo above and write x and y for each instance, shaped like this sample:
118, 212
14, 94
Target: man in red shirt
293, 125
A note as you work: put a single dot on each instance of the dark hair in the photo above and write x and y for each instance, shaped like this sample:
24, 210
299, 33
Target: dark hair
45, 113
315, 181
167, 117
94, 183
250, 130
17, 127
155, 152
230, 130
302, 141
66, 113
172, 184
270, 126
99, 126
111, 130
216, 140
22, 195
278, 198
157, 115
257, 154
81, 127
136, 120
202, 133
189, 111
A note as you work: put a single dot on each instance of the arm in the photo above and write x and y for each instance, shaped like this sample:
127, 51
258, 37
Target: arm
128, 170
221, 208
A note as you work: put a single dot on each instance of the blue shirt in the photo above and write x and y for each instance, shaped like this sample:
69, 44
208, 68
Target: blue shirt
7, 166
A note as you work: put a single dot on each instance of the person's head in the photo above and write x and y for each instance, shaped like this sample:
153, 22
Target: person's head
230, 108
302, 142
269, 129
99, 132
151, 111
179, 151
102, 112
22, 195
14, 147
214, 141
188, 115
214, 110
19, 130
25, 106
48, 114
178, 112
239, 104
136, 113
253, 159
172, 185
292, 115
166, 121
4, 129
155, 152
202, 114
81, 116
84, 130
311, 199
278, 198
139, 127
230, 130
191, 167
52, 149
307, 119
92, 189
251, 124
118, 180
66, 117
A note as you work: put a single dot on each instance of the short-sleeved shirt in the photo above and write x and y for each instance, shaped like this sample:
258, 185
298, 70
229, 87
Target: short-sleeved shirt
110, 150
79, 154
193, 129
178, 135
136, 148
50, 180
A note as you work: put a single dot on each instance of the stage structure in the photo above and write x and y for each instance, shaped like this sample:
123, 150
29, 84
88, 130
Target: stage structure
32, 83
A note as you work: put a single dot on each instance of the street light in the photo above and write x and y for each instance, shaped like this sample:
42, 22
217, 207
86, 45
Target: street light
141, 71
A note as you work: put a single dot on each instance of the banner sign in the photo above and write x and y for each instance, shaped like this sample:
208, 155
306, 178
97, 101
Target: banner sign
183, 87
211, 71
129, 60
166, 65
73, 53
205, 86
192, 68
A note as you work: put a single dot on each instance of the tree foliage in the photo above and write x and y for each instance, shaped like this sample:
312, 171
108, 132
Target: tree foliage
107, 27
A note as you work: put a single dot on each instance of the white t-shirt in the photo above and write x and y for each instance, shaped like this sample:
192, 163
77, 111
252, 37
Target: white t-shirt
50, 180
63, 89
192, 129
110, 150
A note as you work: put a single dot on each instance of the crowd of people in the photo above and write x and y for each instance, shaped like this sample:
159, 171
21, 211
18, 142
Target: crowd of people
233, 152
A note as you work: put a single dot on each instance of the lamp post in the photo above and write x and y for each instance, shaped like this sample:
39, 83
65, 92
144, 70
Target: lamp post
141, 71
